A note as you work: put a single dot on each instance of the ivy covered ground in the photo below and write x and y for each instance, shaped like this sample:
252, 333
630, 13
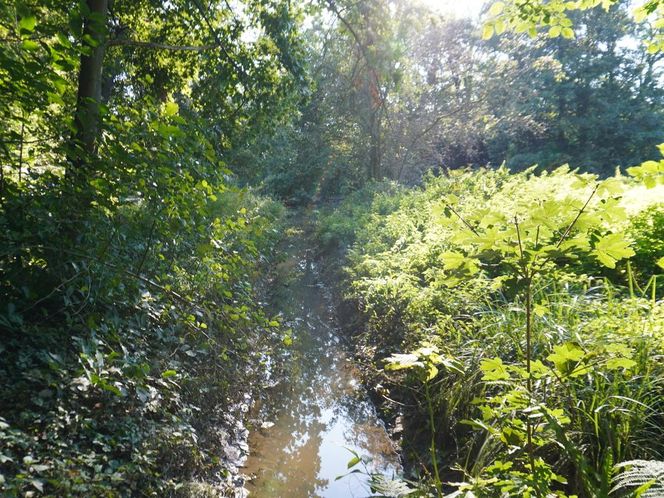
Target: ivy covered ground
131, 375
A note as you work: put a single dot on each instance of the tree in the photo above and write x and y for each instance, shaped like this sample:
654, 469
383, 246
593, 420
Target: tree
591, 98
186, 50
88, 95
527, 16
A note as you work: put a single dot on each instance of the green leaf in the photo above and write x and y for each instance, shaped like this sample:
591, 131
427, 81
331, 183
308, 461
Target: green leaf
487, 32
564, 355
494, 369
171, 108
452, 260
540, 310
497, 8
403, 361
355, 471
566, 352
568, 33
619, 349
611, 249
432, 371
640, 14
559, 415
554, 31
90, 41
353, 462
649, 172
624, 363
29, 45
660, 147
39, 485
539, 369
109, 387
382, 486
660, 262
27, 24
168, 373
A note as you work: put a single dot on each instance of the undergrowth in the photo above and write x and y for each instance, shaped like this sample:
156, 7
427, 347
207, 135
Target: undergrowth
514, 324
131, 325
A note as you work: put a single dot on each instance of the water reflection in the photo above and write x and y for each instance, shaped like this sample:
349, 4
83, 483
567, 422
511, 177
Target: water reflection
319, 411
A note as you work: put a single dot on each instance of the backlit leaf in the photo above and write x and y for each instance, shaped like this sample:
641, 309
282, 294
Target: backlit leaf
624, 363
494, 369
611, 249
497, 8
27, 24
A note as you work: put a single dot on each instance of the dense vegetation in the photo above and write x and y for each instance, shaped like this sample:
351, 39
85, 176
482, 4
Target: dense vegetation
409, 91
510, 315
506, 300
129, 262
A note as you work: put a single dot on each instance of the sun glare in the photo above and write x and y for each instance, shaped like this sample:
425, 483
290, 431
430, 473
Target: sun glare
457, 8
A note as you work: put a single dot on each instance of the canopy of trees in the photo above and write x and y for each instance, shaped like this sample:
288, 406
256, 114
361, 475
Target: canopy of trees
398, 90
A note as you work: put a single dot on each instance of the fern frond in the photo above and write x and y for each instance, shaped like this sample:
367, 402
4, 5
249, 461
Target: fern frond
394, 488
646, 477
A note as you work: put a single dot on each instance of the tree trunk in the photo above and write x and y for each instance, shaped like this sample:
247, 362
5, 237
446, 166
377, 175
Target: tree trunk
561, 138
86, 119
375, 145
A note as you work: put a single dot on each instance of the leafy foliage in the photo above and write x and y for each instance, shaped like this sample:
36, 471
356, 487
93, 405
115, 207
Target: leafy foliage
132, 254
554, 17
552, 385
129, 268
114, 353
398, 90
647, 231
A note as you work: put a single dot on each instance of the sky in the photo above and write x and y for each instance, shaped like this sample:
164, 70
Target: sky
459, 8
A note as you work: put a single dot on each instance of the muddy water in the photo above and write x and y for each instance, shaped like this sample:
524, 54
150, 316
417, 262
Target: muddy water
319, 409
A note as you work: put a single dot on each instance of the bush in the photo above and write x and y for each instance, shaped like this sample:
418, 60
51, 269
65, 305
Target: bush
455, 266
338, 225
647, 231
128, 322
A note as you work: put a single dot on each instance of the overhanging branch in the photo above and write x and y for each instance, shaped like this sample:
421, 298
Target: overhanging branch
122, 42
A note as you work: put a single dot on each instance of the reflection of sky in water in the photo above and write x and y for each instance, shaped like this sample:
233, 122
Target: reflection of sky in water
318, 412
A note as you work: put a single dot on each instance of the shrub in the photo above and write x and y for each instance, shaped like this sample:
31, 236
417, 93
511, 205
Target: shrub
560, 377
119, 342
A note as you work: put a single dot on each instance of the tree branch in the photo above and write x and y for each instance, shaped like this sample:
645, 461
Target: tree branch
123, 42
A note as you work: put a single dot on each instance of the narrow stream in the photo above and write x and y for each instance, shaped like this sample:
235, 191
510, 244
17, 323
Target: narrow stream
320, 409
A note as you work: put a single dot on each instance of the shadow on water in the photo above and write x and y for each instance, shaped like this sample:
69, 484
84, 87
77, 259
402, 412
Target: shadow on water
320, 409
